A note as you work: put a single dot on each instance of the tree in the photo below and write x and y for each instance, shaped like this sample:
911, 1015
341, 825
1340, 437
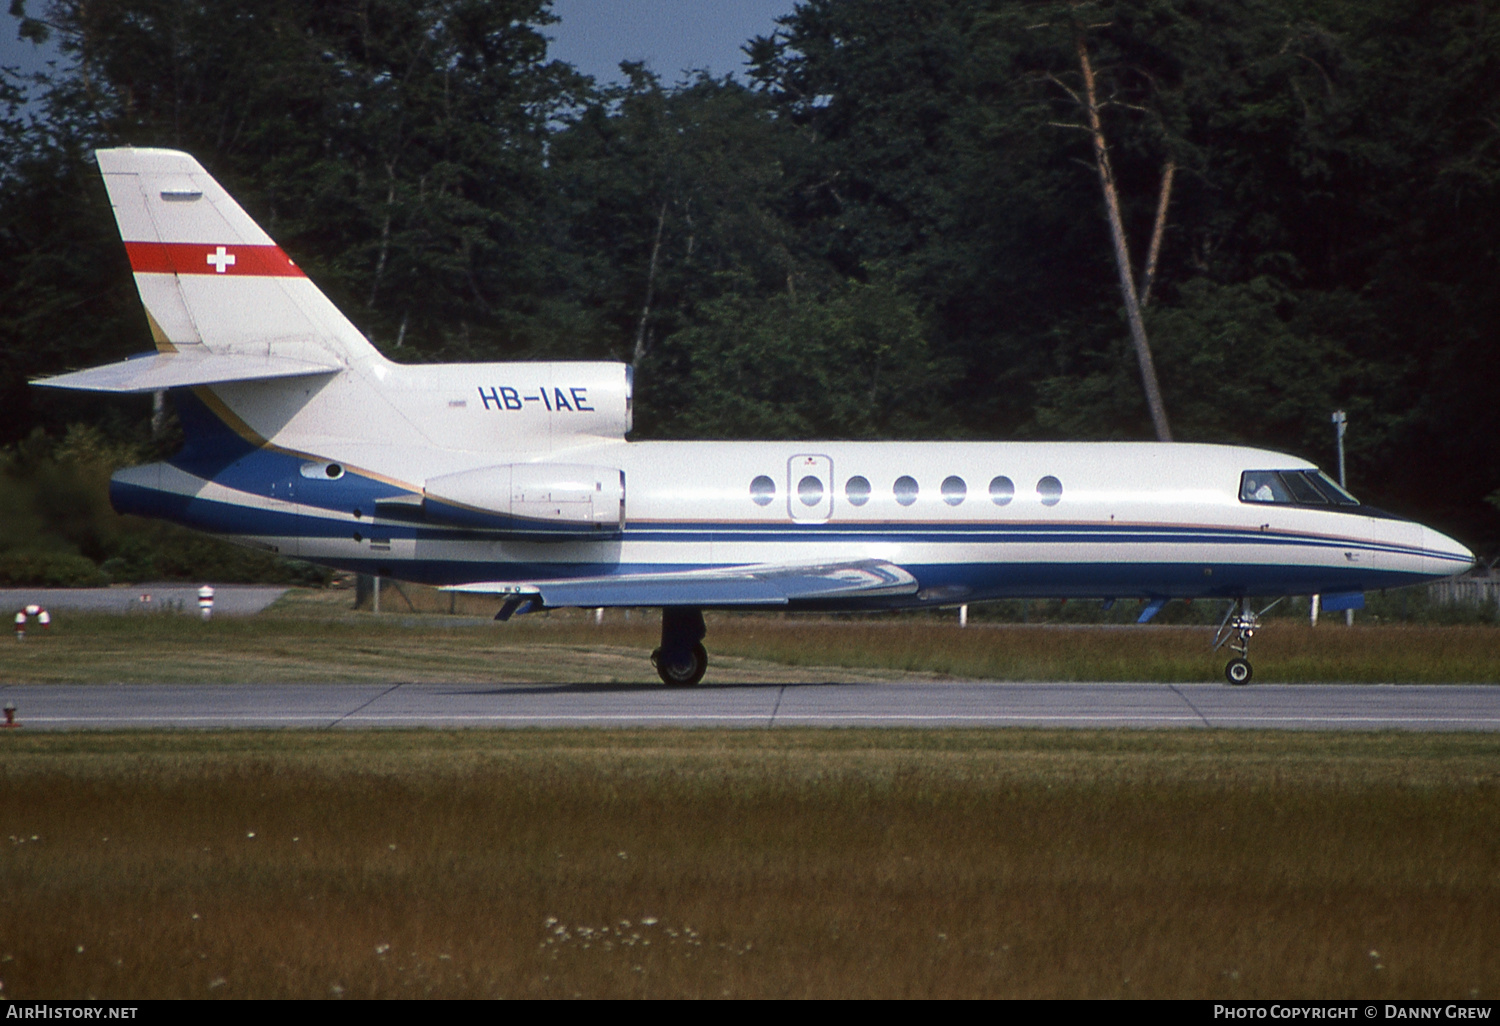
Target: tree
848, 361
674, 201
1085, 98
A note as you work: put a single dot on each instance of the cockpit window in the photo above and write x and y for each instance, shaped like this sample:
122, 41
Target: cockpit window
1332, 489
1303, 490
1293, 488
1263, 486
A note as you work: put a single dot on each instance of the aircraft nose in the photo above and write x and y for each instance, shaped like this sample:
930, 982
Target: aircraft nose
1443, 556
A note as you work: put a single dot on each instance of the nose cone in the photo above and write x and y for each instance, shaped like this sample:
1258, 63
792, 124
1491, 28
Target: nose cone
1442, 556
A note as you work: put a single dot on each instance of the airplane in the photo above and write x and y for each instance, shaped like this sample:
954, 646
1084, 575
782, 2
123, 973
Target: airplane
517, 480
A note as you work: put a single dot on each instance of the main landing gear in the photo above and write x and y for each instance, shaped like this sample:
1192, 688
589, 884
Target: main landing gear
1238, 627
682, 659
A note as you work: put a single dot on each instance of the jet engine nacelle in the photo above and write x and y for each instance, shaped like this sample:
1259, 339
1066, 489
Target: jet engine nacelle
553, 499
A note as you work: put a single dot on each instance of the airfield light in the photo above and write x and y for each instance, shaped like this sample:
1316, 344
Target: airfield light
206, 601
21, 625
10, 715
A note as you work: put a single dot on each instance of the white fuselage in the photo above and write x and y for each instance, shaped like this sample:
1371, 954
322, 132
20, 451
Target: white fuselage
969, 520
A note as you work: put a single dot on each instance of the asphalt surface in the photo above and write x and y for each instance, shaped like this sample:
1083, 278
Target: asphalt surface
925, 704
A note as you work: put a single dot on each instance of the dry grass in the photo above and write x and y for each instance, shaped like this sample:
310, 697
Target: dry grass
1283, 652
791, 863
314, 637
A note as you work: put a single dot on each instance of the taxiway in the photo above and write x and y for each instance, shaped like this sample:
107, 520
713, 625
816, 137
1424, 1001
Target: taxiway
883, 704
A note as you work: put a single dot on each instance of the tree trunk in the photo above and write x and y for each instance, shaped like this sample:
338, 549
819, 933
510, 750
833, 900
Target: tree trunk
640, 330
385, 236
1122, 251
1148, 276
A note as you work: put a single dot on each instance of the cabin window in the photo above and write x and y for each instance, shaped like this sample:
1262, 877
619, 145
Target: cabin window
810, 490
762, 490
954, 490
1050, 490
857, 491
1002, 490
906, 490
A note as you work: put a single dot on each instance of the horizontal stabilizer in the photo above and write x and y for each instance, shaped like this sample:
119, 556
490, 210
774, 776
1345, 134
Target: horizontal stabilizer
761, 585
157, 371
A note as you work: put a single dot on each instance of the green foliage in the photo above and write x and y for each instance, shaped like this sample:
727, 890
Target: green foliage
670, 200
51, 570
848, 364
1238, 362
59, 530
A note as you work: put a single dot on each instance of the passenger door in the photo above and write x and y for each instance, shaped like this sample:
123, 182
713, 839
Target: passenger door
809, 487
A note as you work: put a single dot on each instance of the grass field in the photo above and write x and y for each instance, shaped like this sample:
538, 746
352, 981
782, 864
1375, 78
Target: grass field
792, 863
312, 636
749, 864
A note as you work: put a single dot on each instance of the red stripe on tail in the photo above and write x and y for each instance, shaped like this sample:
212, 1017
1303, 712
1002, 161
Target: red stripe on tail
202, 258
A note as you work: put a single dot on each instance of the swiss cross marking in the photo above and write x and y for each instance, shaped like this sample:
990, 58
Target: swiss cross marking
221, 260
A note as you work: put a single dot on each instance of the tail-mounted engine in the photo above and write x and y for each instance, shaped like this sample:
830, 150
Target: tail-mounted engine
548, 499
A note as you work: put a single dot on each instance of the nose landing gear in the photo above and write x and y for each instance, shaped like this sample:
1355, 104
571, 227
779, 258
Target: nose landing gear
1239, 626
682, 660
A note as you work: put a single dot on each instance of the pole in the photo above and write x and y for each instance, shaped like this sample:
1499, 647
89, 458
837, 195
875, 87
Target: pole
1340, 425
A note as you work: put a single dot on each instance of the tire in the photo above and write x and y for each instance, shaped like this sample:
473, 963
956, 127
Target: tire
681, 676
1238, 671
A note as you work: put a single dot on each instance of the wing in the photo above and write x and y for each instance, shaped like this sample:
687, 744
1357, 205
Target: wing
754, 585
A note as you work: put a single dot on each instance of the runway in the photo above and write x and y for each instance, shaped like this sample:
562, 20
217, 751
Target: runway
884, 704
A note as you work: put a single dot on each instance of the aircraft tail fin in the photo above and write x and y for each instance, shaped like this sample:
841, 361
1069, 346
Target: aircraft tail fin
211, 280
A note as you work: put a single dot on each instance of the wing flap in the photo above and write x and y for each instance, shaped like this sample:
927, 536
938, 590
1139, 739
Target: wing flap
757, 585
159, 371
